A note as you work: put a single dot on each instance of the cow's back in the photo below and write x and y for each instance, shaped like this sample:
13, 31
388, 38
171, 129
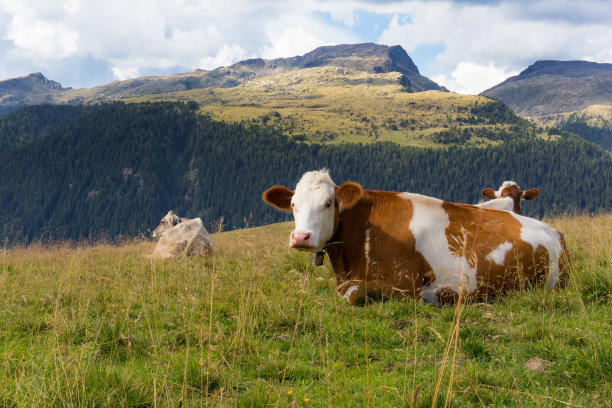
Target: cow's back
484, 251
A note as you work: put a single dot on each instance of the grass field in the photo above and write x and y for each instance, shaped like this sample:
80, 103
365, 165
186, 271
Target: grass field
255, 325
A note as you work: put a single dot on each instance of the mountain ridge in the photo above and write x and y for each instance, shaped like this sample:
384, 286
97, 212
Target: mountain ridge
31, 89
550, 87
367, 57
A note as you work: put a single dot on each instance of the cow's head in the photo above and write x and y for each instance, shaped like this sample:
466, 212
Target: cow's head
512, 190
317, 204
169, 221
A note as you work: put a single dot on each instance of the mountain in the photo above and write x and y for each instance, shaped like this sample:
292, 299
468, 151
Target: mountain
370, 58
367, 58
346, 93
29, 90
117, 169
336, 105
556, 87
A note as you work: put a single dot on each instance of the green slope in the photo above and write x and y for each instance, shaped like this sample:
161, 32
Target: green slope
339, 105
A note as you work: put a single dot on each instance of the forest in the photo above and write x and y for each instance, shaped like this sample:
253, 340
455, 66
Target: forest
116, 169
579, 124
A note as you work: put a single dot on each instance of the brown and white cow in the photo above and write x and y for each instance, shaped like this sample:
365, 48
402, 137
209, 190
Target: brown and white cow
392, 244
180, 237
508, 197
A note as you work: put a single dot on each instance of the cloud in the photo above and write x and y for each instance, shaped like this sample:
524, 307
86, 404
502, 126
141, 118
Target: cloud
295, 35
42, 39
227, 54
471, 78
123, 73
140, 36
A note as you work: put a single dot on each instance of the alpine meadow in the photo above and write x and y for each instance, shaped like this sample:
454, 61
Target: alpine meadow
89, 319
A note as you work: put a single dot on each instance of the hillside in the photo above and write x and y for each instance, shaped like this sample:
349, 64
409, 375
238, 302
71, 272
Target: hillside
339, 105
254, 326
367, 58
31, 122
553, 87
117, 169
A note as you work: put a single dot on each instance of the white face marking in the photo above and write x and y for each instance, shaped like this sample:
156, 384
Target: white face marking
537, 233
506, 204
504, 185
313, 208
499, 254
428, 225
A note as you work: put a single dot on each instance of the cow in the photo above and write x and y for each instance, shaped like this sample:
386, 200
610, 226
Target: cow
181, 236
384, 244
508, 197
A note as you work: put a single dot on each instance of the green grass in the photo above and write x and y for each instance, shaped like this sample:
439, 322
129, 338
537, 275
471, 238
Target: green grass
255, 325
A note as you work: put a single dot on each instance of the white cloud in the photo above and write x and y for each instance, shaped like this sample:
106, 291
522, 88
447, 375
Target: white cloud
298, 34
471, 78
227, 54
123, 73
42, 39
290, 42
72, 7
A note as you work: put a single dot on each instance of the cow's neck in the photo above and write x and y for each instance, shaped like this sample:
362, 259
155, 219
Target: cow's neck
345, 247
319, 257
341, 248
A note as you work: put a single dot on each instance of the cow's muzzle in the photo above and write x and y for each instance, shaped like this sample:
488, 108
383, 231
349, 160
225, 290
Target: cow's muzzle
301, 240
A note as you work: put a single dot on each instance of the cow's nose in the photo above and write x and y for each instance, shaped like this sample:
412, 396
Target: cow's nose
300, 239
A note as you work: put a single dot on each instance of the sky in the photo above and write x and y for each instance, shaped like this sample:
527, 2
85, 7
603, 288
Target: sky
466, 45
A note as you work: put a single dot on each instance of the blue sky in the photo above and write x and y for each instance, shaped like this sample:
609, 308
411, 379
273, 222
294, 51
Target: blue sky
467, 46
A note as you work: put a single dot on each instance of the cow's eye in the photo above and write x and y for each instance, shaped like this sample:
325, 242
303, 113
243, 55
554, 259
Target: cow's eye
328, 204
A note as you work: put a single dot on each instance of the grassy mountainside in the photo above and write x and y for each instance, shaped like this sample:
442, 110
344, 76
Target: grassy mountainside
254, 325
593, 123
339, 105
369, 58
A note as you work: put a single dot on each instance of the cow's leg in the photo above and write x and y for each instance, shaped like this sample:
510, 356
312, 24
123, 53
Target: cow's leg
372, 290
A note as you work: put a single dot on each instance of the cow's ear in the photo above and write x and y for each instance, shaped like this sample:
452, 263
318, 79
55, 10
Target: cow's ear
530, 194
489, 193
278, 197
348, 194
